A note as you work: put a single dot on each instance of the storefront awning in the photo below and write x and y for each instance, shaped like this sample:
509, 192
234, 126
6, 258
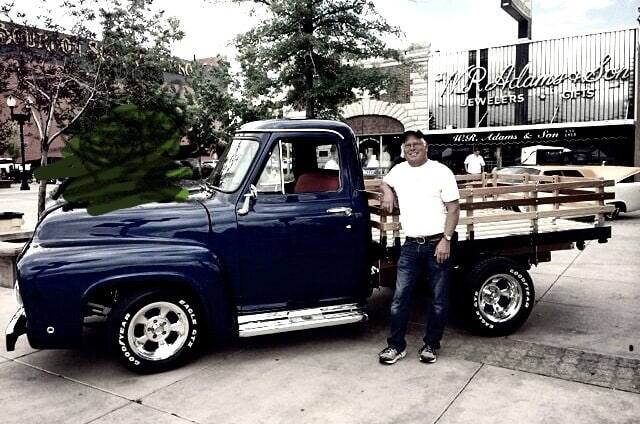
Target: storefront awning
534, 134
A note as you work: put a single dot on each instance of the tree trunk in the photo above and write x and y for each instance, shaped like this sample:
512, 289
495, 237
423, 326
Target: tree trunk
307, 28
42, 188
308, 87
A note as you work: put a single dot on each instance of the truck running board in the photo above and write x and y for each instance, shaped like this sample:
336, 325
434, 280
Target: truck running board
299, 319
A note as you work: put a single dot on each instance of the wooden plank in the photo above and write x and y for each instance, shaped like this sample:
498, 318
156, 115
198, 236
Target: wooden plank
572, 212
386, 226
372, 184
521, 188
496, 204
469, 177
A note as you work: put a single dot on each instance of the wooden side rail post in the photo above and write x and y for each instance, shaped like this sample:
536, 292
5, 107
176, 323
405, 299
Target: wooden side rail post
600, 216
469, 201
494, 180
484, 184
534, 208
396, 230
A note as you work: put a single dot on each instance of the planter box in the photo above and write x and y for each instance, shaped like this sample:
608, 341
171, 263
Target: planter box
8, 253
11, 221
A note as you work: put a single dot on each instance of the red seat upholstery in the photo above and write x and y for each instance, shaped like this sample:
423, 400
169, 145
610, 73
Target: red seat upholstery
317, 181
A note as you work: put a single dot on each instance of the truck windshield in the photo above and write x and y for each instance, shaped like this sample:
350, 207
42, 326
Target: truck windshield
234, 164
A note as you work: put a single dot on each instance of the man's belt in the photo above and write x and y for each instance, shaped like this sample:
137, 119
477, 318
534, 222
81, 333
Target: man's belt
424, 239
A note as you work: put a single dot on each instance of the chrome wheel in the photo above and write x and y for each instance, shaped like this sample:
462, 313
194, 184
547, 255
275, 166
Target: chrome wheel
500, 298
158, 331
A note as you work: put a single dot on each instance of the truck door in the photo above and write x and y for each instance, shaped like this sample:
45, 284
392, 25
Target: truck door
300, 232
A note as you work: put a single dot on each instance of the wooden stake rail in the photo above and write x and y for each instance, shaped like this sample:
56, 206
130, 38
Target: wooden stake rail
499, 198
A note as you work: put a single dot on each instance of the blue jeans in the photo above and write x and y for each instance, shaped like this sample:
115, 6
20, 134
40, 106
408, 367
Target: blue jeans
414, 260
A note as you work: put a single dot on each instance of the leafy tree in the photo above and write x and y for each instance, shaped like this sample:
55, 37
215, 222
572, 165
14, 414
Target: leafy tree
9, 140
309, 53
213, 112
106, 172
209, 105
77, 75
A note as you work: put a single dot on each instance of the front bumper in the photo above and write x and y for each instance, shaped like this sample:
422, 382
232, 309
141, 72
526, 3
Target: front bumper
16, 327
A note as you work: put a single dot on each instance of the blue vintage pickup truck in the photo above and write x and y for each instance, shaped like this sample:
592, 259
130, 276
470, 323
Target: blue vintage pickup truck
276, 241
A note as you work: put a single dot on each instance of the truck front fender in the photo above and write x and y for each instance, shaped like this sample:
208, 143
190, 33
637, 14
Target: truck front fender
195, 270
47, 274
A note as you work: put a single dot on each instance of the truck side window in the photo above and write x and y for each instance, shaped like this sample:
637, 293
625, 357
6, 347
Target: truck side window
301, 167
270, 180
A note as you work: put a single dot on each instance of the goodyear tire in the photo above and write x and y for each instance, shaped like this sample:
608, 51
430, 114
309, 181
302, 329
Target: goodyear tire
499, 296
155, 331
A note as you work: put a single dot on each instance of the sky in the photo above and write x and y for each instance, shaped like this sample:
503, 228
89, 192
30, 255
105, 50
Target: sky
448, 25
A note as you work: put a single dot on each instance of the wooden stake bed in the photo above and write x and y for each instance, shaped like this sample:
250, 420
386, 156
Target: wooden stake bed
495, 206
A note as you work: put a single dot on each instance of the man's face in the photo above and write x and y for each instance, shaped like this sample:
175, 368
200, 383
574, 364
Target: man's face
415, 151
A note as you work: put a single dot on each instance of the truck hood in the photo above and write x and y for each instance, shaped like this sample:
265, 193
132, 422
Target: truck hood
187, 221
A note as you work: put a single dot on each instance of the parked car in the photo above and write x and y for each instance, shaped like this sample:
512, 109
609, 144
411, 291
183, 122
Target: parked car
6, 166
207, 167
627, 192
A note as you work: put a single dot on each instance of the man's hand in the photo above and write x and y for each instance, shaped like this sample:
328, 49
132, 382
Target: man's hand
443, 250
388, 198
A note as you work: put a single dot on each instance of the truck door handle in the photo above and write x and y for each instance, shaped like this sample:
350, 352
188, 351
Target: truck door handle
342, 210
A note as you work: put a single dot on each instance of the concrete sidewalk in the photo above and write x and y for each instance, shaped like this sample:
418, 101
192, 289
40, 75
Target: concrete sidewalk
15, 200
575, 360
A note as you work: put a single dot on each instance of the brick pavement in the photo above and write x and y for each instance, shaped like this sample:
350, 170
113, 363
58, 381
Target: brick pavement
568, 364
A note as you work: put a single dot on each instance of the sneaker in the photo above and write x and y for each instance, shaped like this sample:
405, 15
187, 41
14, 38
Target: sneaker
390, 355
428, 354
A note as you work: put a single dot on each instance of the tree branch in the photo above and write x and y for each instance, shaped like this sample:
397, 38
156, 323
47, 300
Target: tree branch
75, 118
93, 91
37, 119
38, 89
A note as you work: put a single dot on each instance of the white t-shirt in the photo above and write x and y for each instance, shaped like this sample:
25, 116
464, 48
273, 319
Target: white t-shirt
373, 162
422, 192
474, 164
331, 164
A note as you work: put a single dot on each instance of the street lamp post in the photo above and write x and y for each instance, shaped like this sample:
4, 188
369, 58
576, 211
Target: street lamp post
21, 119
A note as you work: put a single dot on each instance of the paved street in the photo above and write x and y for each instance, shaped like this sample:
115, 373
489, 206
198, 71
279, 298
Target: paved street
576, 360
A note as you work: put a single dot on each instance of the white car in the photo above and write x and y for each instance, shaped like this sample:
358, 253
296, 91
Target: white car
627, 192
6, 165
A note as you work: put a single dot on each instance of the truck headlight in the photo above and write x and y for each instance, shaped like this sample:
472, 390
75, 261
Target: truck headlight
16, 293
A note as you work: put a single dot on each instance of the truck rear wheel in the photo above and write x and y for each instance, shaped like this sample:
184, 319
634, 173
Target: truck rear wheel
154, 331
499, 296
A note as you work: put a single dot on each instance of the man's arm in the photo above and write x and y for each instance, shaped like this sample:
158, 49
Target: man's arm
388, 197
443, 249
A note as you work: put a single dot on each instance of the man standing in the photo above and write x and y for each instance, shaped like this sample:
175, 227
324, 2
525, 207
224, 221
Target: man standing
429, 210
474, 163
332, 163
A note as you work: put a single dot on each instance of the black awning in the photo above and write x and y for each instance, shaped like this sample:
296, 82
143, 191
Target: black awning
528, 136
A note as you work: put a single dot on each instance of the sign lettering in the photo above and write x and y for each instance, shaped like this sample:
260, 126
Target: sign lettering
526, 79
18, 36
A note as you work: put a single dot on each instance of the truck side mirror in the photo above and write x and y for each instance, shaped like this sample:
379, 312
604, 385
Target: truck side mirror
246, 205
